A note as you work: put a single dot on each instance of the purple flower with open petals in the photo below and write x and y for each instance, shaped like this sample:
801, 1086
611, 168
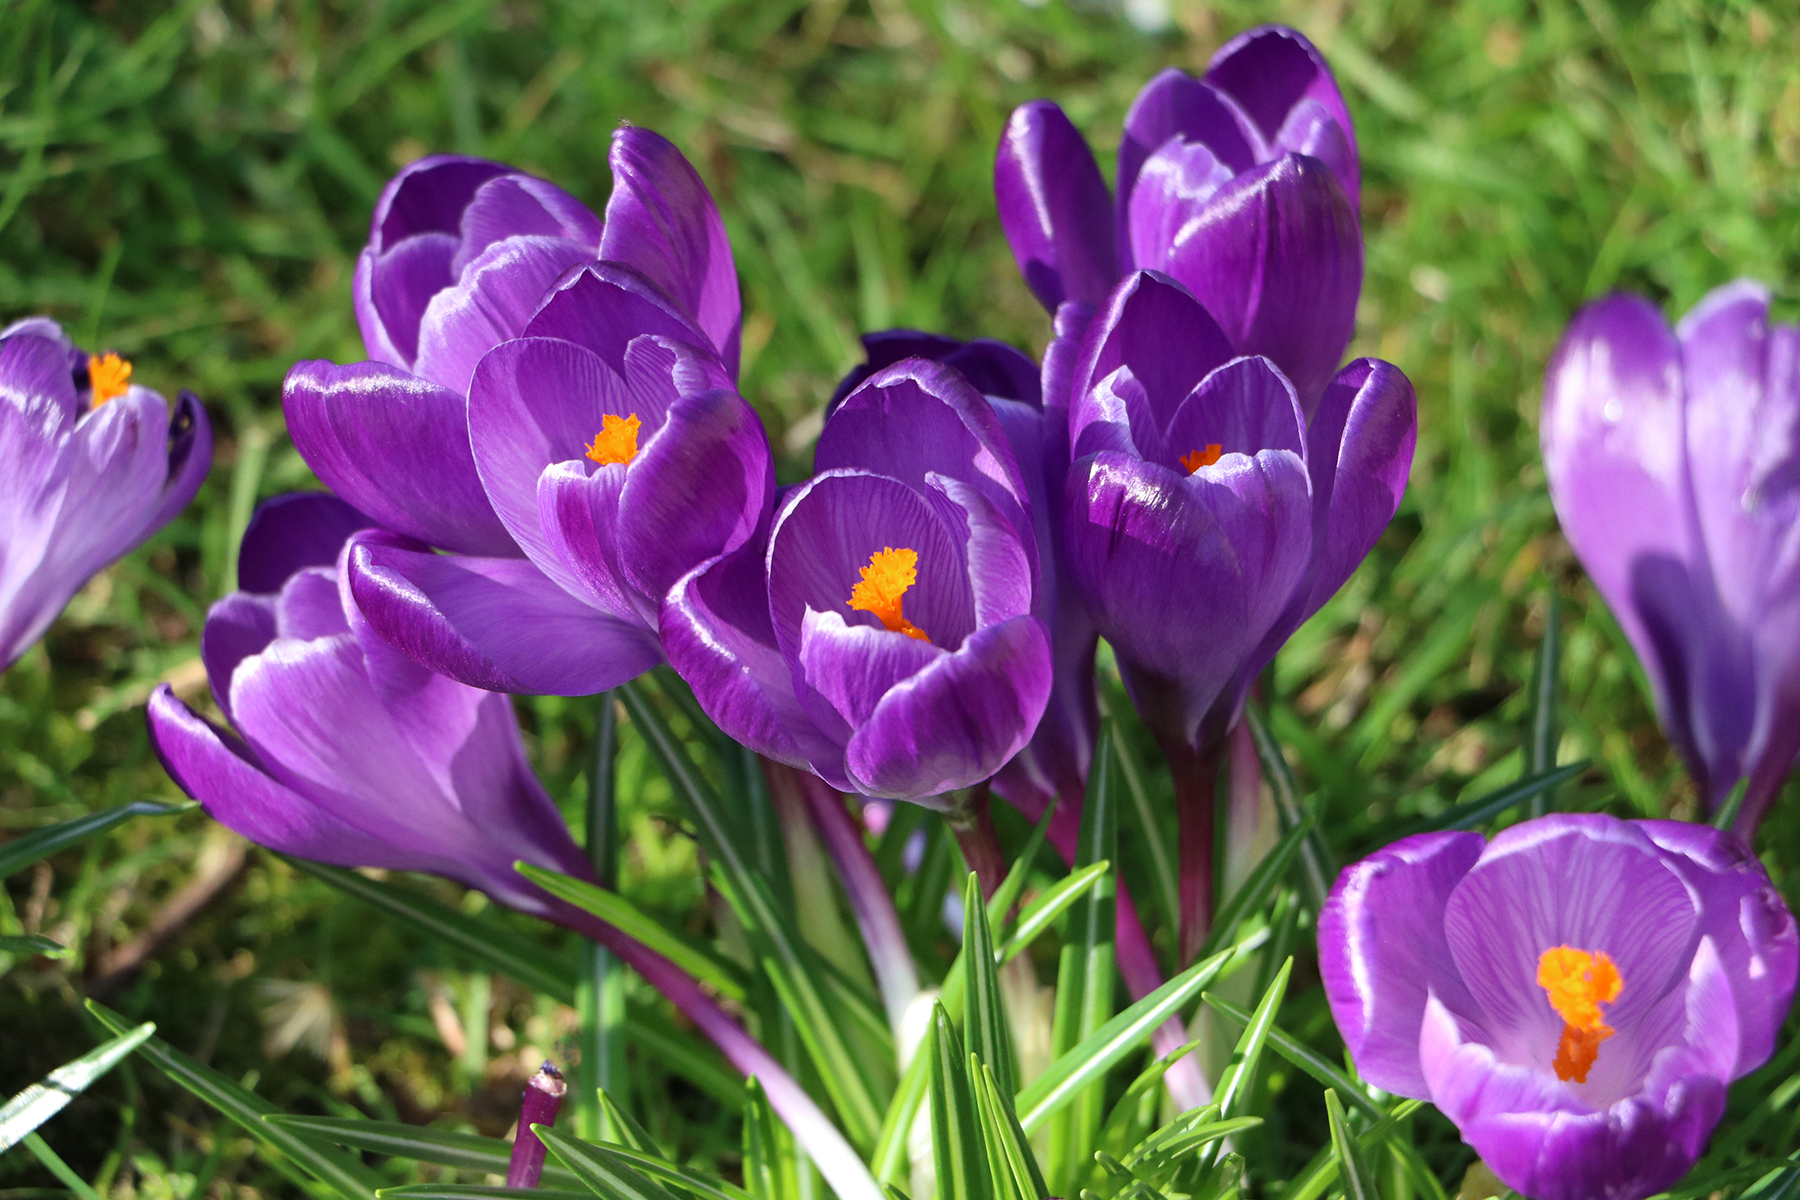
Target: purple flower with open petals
884, 633
1674, 463
1575, 995
1243, 185
579, 444
91, 464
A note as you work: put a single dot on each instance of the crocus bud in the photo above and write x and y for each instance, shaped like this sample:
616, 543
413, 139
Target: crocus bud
544, 1094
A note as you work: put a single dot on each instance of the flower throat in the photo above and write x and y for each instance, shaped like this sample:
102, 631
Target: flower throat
884, 581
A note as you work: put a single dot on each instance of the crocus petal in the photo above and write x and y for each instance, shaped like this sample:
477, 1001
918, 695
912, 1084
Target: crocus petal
493, 300
1054, 207
1276, 257
1062, 357
1580, 880
189, 454
1171, 188
516, 205
854, 666
605, 306
1743, 915
393, 290
397, 448
1175, 104
578, 513
1382, 951
662, 221
428, 196
236, 627
994, 369
701, 487
293, 531
224, 775
956, 722
492, 623
308, 607
1153, 325
1244, 406
1273, 72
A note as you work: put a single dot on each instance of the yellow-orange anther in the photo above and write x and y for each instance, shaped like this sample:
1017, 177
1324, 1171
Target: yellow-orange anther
1578, 983
109, 377
617, 440
884, 581
1193, 460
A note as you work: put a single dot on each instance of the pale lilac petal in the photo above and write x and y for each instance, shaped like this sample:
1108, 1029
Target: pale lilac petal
397, 448
308, 606
493, 623
662, 221
1382, 952
117, 466
1054, 207
578, 512
956, 722
236, 627
493, 300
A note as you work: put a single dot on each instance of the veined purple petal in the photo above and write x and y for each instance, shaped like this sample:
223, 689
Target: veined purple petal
956, 722
1054, 207
393, 288
1271, 73
1382, 952
493, 623
604, 307
397, 448
1153, 325
662, 221
1276, 257
854, 666
493, 300
516, 205
237, 626
1175, 104
1062, 357
293, 531
1171, 189
428, 196
1243, 407
578, 512
308, 606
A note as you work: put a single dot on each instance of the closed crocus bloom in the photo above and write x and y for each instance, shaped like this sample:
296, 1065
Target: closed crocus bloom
600, 450
91, 464
1243, 185
1206, 516
884, 636
1575, 995
1671, 461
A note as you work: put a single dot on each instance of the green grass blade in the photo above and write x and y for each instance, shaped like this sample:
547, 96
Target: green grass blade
1540, 755
1085, 974
1302, 1056
1012, 1146
622, 1128
1317, 1177
1234, 1086
1164, 873
956, 1140
984, 1025
602, 1173
1256, 890
476, 1191
18, 853
1131, 1116
1355, 1176
1128, 1031
656, 1168
768, 1161
462, 1151
634, 922
497, 948
1483, 809
246, 1109
1003, 1184
1316, 854
32, 943
41, 1101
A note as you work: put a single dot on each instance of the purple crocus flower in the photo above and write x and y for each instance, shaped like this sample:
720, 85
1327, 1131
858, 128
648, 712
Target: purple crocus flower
1207, 516
91, 464
348, 752
1243, 185
577, 443
1574, 995
1671, 460
884, 636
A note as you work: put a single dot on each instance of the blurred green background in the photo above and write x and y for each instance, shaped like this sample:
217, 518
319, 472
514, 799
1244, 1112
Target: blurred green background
189, 184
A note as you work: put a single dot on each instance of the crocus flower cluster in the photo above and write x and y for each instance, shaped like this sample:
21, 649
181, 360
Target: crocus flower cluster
1575, 995
550, 401
1671, 461
91, 464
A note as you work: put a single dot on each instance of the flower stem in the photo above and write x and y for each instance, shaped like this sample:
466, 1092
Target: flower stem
971, 820
1196, 775
600, 999
543, 1098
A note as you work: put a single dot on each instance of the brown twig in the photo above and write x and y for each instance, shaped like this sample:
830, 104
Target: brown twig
219, 863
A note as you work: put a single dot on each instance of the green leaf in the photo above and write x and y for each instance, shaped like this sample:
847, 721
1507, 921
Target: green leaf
1357, 1184
1170, 1149
603, 1173
1314, 1064
245, 1108
499, 948
1483, 809
31, 943
1322, 1172
1234, 1085
956, 1141
985, 1026
1009, 1150
463, 1151
1164, 873
1130, 1118
1257, 889
1096, 1055
656, 1168
41, 1101
18, 853
1320, 869
768, 1162
634, 922
623, 1127
1085, 974
1541, 746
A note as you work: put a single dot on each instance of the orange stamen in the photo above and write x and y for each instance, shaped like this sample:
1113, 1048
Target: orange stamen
1193, 460
617, 440
884, 581
1578, 983
108, 377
